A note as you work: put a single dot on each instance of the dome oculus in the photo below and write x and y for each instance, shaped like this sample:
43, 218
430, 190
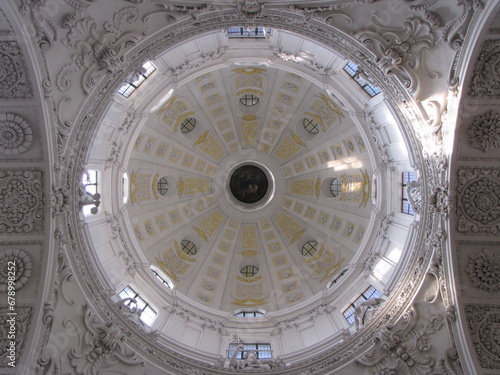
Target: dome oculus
248, 184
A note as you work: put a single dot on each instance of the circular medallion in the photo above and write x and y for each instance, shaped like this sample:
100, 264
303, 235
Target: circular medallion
248, 184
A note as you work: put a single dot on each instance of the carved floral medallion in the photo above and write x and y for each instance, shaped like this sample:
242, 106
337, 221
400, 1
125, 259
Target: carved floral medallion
478, 203
21, 201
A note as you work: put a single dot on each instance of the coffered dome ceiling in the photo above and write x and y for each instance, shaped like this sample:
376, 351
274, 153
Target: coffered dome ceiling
217, 207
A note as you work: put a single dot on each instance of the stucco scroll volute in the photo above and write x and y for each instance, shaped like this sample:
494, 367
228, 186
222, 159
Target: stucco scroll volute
97, 51
402, 348
101, 345
399, 52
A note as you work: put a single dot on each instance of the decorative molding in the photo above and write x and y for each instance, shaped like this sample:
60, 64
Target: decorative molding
414, 190
399, 52
401, 348
21, 323
15, 134
485, 80
101, 345
21, 201
21, 269
484, 133
478, 199
483, 270
97, 52
45, 30
14, 80
484, 330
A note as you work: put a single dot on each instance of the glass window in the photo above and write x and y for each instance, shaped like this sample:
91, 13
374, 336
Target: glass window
369, 293
353, 70
161, 278
263, 351
188, 125
248, 32
249, 100
129, 87
311, 126
89, 181
406, 207
249, 313
162, 186
249, 271
336, 187
310, 248
148, 315
188, 247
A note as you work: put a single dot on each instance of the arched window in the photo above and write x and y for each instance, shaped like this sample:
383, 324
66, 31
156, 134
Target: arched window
369, 293
310, 248
310, 125
162, 186
188, 125
188, 247
335, 187
249, 271
249, 100
147, 314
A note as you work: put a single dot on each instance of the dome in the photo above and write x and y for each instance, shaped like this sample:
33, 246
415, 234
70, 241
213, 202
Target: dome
249, 187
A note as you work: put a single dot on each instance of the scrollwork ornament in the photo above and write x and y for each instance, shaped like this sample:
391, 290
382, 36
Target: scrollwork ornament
102, 345
21, 265
15, 134
399, 52
483, 270
484, 133
401, 348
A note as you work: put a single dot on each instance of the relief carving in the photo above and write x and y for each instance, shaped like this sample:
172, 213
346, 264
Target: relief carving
21, 322
98, 52
14, 80
402, 348
484, 133
102, 345
478, 200
15, 134
21, 201
483, 270
484, 331
398, 52
485, 79
22, 268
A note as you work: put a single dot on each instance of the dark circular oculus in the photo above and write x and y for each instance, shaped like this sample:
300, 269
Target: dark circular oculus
248, 184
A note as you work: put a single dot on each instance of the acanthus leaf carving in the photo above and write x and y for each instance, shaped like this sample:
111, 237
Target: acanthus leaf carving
484, 132
45, 29
398, 52
102, 345
98, 52
401, 348
483, 270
